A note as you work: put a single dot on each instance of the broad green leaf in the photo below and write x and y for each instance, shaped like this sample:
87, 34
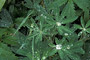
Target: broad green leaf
6, 19
68, 10
83, 4
78, 12
6, 53
86, 15
19, 20
2, 3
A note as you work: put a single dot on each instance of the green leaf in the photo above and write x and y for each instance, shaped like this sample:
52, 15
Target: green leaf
79, 12
68, 10
60, 30
82, 22
2, 31
66, 29
28, 4
78, 50
53, 51
24, 58
69, 20
86, 15
77, 26
78, 44
6, 19
88, 30
80, 33
24, 20
51, 45
38, 38
83, 4
87, 24
62, 54
2, 3
86, 56
72, 55
6, 53
57, 3
29, 55
11, 40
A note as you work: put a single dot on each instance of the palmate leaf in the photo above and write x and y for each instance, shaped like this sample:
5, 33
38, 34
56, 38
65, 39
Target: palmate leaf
84, 27
69, 50
2, 3
43, 52
38, 31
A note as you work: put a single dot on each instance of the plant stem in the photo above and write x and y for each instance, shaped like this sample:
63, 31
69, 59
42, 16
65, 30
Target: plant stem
33, 49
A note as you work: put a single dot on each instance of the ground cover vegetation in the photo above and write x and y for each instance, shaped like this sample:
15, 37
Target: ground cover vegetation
44, 29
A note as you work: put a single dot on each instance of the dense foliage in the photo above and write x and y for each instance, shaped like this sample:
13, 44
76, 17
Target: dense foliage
44, 30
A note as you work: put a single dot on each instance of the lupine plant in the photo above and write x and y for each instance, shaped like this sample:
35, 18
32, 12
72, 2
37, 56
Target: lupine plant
44, 29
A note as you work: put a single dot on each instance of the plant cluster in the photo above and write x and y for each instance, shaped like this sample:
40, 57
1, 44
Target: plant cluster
44, 30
